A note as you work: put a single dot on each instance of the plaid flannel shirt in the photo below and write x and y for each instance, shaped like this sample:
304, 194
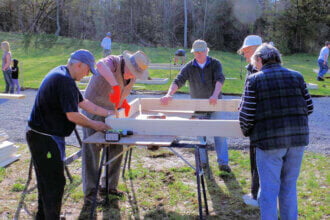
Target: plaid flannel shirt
275, 107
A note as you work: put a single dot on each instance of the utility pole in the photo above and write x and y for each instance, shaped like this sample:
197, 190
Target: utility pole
185, 24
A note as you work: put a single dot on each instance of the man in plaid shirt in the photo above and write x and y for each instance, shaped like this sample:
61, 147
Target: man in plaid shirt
274, 114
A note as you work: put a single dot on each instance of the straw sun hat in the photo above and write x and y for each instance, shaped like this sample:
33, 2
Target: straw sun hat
137, 63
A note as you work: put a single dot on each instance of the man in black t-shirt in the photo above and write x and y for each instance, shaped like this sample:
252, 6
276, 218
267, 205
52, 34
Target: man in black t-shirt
53, 117
180, 54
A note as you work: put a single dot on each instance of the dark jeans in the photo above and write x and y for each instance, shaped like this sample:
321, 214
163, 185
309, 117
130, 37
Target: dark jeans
254, 173
49, 169
8, 81
323, 68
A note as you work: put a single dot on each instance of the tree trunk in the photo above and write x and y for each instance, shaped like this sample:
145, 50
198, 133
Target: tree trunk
185, 24
204, 26
58, 30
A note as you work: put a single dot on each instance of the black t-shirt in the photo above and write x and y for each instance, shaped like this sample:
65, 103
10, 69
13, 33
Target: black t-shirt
14, 72
57, 95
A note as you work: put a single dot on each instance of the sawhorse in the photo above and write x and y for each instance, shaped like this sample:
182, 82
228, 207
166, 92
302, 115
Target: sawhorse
199, 173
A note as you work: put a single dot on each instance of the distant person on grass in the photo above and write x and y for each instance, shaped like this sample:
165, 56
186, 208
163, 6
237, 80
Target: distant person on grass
206, 79
274, 114
180, 54
323, 61
250, 45
6, 61
109, 89
106, 45
14, 74
54, 116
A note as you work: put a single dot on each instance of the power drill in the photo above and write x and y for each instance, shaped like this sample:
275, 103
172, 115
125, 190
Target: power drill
113, 135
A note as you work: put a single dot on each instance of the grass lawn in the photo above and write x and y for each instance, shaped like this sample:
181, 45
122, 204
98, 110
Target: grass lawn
44, 53
160, 186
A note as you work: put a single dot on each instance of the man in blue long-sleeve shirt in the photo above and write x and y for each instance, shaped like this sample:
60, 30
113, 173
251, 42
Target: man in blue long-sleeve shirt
274, 114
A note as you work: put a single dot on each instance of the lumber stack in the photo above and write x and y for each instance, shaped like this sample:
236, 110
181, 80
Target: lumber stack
8, 151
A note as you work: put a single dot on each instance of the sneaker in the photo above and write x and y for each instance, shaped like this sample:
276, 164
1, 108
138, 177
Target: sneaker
225, 168
248, 200
319, 78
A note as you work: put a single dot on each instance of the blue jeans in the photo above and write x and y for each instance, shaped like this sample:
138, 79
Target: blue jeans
278, 173
8, 81
323, 68
220, 145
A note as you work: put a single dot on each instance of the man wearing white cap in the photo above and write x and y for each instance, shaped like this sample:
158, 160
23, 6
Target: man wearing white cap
206, 79
106, 44
109, 89
250, 45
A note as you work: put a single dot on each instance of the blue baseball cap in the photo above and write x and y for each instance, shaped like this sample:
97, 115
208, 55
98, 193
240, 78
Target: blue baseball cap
85, 57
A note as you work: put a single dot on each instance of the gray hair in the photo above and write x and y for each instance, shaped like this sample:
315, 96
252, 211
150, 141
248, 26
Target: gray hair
72, 61
268, 55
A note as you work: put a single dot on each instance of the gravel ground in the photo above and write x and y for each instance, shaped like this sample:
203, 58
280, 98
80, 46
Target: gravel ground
14, 115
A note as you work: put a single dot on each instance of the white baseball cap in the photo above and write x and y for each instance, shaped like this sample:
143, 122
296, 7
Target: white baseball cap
251, 40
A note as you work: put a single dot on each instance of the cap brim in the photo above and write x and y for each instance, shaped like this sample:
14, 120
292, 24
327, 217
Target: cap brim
139, 75
198, 50
94, 71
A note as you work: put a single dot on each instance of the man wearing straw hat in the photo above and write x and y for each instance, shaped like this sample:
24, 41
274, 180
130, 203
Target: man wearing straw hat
206, 79
109, 89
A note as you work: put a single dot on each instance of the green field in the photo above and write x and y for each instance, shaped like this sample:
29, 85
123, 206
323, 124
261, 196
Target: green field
160, 186
44, 52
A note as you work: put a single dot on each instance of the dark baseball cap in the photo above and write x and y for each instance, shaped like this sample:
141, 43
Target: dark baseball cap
85, 57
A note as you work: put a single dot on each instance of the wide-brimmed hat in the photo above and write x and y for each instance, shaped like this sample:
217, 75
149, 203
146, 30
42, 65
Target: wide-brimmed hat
137, 63
251, 40
199, 46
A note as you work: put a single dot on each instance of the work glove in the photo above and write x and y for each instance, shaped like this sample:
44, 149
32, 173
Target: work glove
127, 107
114, 96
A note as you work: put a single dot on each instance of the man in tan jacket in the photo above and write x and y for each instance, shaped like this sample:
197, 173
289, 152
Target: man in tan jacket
109, 89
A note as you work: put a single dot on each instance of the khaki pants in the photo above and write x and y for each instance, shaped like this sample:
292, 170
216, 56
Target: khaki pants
91, 160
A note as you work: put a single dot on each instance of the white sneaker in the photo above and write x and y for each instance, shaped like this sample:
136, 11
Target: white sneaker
248, 199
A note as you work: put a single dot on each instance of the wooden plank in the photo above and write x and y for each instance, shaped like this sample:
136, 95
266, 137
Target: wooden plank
3, 136
12, 96
154, 81
144, 140
9, 160
5, 144
223, 128
224, 105
135, 106
8, 150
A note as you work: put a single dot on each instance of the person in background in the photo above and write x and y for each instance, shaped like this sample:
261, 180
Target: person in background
274, 115
53, 117
323, 61
6, 60
206, 79
106, 45
14, 75
180, 54
250, 45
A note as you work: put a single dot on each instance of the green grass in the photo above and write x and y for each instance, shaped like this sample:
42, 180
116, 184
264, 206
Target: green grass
169, 192
42, 55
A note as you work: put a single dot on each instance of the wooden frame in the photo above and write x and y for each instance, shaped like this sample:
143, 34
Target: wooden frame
11, 96
175, 126
153, 81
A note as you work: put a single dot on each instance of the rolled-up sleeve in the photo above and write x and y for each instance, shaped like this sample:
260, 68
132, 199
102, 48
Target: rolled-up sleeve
182, 77
218, 74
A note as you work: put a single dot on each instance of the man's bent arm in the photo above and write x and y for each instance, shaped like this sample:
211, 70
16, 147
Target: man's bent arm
94, 109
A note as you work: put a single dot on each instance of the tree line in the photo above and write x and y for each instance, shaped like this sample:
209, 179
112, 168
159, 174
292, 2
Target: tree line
293, 25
